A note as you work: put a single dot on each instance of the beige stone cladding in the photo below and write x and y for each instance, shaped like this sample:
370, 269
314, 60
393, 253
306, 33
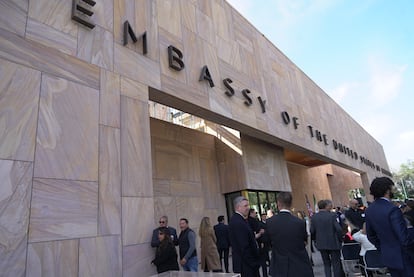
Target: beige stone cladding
85, 172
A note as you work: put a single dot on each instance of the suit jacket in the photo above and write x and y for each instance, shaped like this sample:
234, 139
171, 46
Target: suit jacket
155, 242
244, 247
288, 237
326, 231
222, 234
387, 230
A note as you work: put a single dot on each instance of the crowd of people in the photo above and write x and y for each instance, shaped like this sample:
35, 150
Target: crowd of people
279, 244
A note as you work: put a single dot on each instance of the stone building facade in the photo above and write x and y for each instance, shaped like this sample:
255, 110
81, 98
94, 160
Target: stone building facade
85, 170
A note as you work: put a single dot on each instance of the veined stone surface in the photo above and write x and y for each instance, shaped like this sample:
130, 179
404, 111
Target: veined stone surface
19, 101
63, 209
67, 136
15, 190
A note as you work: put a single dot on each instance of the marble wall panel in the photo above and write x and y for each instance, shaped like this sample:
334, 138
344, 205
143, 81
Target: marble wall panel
137, 260
134, 89
162, 187
49, 259
265, 165
195, 61
19, 98
135, 148
309, 181
168, 14
166, 205
229, 161
13, 17
110, 99
229, 53
175, 161
205, 27
100, 256
136, 66
56, 14
191, 208
46, 59
341, 182
104, 14
63, 209
15, 193
109, 181
48, 36
67, 137
210, 183
186, 188
188, 15
222, 19
96, 47
137, 220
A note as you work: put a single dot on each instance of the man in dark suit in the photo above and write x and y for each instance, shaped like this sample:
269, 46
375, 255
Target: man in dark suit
243, 242
327, 234
223, 240
288, 237
387, 230
155, 242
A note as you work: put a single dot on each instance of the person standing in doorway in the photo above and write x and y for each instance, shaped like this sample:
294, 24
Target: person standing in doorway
327, 234
289, 237
223, 241
187, 246
243, 242
387, 229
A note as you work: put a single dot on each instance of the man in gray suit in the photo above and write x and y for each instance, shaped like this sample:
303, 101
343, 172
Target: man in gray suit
327, 234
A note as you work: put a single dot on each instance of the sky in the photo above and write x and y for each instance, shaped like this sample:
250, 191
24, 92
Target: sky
360, 52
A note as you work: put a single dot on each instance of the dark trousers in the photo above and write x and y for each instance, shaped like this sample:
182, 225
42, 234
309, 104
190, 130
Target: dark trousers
332, 258
224, 252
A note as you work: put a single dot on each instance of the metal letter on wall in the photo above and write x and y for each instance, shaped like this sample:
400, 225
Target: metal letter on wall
81, 12
129, 31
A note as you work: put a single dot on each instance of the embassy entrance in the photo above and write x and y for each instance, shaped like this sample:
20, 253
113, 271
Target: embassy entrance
261, 201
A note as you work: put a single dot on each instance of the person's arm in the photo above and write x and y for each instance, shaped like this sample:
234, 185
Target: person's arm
372, 235
155, 242
399, 227
191, 241
173, 232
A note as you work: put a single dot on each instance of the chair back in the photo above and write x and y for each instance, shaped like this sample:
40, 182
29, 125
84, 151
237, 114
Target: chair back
372, 259
350, 251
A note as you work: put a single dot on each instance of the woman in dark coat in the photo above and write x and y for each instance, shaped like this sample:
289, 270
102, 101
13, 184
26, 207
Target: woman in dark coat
166, 255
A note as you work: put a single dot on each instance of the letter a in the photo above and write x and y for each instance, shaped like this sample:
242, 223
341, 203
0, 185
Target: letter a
205, 75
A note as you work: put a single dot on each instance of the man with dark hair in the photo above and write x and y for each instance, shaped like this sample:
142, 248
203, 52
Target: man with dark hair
243, 242
288, 237
387, 229
187, 245
327, 234
223, 241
